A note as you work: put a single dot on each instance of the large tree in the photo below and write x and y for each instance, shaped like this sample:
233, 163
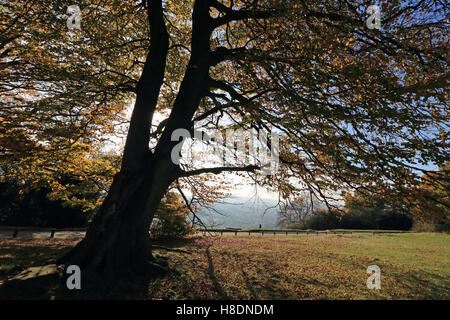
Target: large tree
356, 107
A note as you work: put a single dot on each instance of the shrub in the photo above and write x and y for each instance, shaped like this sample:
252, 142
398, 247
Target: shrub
422, 226
170, 221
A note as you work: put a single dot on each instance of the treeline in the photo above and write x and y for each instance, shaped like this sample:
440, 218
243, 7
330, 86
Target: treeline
22, 205
425, 207
359, 212
364, 219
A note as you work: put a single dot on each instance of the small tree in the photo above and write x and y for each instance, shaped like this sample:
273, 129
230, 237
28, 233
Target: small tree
170, 219
293, 213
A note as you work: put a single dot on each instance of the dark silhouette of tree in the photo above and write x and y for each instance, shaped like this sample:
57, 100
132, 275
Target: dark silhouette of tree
357, 108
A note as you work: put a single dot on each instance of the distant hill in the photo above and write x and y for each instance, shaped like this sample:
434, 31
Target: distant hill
241, 212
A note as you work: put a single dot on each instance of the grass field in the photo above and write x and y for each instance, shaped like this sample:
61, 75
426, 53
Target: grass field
413, 266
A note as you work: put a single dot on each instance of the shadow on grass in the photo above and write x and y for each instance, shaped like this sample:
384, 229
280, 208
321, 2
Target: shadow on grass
249, 285
53, 287
212, 276
261, 277
17, 256
424, 285
21, 263
39, 288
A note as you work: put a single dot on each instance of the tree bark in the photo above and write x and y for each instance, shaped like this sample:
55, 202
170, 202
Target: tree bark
117, 242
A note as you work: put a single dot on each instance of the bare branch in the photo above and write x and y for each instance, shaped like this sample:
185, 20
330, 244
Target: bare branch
236, 15
217, 170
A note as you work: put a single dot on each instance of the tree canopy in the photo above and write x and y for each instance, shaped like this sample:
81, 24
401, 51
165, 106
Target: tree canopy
356, 107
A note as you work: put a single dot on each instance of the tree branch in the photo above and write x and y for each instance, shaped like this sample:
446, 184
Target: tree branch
222, 85
230, 105
217, 170
236, 15
147, 89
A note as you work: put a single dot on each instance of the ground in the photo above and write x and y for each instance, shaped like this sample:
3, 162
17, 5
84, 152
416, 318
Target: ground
413, 266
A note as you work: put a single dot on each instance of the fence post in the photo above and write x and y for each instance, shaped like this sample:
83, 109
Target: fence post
52, 234
15, 233
235, 233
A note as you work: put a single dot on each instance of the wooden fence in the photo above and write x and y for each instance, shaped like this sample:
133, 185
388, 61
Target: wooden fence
296, 232
15, 231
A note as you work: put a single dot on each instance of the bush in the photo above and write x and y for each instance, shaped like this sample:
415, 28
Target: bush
422, 226
427, 226
170, 221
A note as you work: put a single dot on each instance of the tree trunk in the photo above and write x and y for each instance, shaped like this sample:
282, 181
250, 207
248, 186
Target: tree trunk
117, 242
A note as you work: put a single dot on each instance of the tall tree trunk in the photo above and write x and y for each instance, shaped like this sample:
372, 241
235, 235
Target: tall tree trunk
117, 242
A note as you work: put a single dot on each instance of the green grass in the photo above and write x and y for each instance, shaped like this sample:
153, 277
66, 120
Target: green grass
232, 230
257, 229
413, 266
369, 230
